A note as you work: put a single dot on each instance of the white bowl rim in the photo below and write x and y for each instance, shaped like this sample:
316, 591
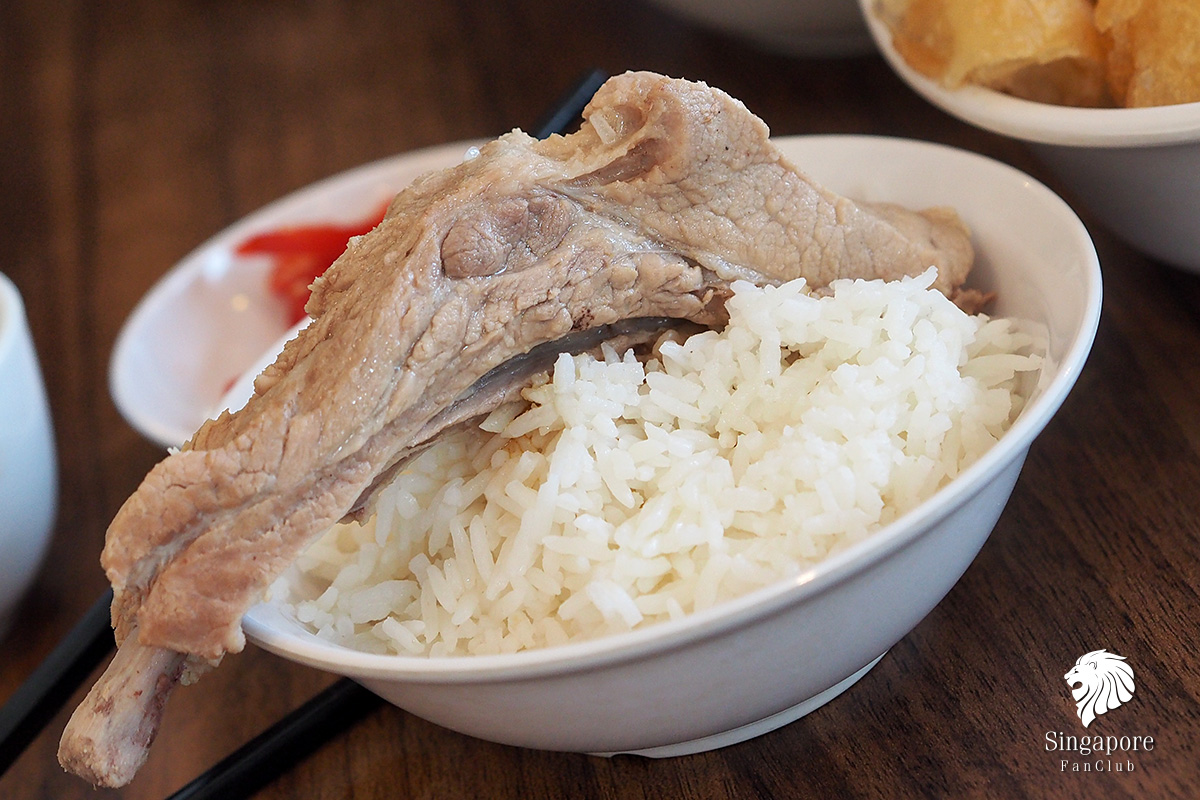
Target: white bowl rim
1043, 123
767, 600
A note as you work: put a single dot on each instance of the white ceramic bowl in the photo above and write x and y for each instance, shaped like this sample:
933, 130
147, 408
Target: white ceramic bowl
757, 662
816, 28
1136, 169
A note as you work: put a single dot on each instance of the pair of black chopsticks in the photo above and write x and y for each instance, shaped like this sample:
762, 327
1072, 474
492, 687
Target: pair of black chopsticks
262, 759
43, 693
240, 774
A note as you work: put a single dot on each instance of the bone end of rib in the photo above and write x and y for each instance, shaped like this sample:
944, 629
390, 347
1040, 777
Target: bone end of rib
108, 737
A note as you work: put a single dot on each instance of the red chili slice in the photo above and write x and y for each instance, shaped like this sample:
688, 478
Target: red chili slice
301, 254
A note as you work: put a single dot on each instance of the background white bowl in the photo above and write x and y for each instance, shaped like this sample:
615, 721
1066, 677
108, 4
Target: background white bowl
1137, 169
792, 27
757, 662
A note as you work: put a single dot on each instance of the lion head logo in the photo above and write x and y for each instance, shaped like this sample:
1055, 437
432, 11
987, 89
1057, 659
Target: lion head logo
1104, 681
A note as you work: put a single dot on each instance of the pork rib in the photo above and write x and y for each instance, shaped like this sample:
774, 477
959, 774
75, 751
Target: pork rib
669, 192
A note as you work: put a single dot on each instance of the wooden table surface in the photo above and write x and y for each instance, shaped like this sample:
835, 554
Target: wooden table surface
131, 132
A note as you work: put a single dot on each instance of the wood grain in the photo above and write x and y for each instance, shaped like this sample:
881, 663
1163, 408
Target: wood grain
131, 132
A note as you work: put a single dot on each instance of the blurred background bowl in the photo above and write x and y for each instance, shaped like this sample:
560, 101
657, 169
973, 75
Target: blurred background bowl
817, 28
757, 662
1136, 169
28, 457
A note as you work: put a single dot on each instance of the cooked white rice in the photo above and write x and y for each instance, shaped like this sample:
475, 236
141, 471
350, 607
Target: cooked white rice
628, 493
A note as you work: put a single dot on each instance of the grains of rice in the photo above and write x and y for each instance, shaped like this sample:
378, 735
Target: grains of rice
625, 493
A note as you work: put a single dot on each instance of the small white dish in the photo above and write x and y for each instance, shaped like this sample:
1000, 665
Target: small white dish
1137, 169
745, 667
212, 316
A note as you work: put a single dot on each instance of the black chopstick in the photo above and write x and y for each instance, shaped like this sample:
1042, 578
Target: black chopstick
567, 110
272, 752
54, 681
